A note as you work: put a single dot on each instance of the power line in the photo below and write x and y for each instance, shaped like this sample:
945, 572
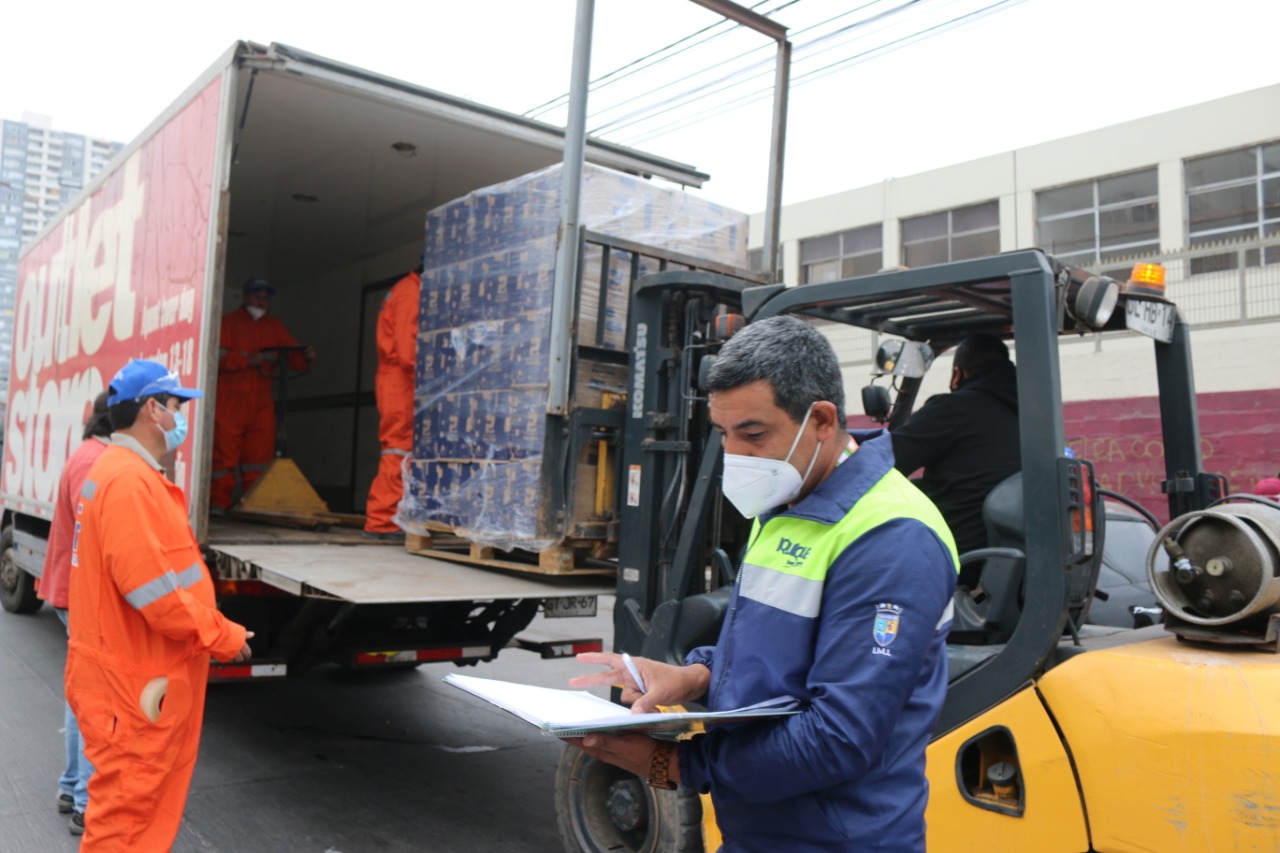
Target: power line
815, 74
728, 82
635, 66
897, 44
763, 63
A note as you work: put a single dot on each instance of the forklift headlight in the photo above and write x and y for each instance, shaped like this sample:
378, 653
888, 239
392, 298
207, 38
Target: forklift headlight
1096, 301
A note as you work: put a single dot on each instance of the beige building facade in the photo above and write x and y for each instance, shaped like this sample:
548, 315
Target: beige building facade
1197, 187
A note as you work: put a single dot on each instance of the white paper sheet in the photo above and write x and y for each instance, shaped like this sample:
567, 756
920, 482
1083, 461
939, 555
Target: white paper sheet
573, 713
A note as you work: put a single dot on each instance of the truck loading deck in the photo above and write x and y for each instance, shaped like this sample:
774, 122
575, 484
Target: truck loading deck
329, 565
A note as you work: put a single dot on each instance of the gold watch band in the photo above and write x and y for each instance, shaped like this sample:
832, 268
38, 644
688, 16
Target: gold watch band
660, 766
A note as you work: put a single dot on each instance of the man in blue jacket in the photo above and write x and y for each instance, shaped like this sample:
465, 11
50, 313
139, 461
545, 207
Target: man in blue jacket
843, 602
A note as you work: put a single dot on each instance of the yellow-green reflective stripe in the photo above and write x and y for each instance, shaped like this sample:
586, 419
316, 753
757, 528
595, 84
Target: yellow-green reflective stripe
795, 594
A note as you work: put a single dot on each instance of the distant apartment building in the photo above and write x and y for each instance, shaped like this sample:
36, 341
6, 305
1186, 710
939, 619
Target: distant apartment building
41, 169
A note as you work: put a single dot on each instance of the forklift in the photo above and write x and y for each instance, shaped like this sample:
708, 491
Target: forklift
1056, 734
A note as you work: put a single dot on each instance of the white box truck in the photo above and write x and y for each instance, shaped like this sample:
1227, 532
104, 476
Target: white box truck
317, 176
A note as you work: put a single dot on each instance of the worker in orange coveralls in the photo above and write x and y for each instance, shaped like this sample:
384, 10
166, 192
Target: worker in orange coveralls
145, 622
244, 421
397, 337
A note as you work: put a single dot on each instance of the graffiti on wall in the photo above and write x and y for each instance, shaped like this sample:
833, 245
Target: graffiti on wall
1239, 439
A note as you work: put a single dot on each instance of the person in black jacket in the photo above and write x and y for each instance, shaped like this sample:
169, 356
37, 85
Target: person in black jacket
966, 441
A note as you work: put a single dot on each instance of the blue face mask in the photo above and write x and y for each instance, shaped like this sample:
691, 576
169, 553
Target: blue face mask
173, 438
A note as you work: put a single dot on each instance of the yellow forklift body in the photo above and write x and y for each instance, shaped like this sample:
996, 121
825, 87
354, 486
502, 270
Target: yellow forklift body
1177, 747
1042, 814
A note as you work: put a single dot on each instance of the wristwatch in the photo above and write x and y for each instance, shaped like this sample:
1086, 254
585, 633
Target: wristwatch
660, 766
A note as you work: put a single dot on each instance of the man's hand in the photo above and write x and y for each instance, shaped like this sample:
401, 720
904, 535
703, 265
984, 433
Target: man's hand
633, 753
667, 684
245, 653
309, 353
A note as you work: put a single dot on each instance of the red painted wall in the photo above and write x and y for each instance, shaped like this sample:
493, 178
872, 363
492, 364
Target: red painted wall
1239, 438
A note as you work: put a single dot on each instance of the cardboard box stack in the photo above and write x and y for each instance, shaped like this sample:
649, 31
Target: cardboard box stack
483, 344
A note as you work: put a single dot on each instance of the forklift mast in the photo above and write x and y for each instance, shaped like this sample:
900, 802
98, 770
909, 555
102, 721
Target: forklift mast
670, 514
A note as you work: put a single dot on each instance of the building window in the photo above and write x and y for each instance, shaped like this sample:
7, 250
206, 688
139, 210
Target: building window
1090, 223
952, 235
1233, 196
843, 255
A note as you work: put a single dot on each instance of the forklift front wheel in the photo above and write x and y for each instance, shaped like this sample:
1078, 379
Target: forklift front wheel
601, 808
17, 588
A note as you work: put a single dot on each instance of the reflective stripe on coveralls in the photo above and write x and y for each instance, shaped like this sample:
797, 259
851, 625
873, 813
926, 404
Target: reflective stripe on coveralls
397, 336
163, 585
132, 534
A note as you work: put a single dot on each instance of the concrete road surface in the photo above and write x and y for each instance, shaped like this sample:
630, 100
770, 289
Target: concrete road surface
330, 763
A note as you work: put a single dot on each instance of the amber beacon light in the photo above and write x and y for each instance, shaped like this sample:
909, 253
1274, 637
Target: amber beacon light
1146, 278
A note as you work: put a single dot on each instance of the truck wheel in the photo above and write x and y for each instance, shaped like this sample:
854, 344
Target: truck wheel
17, 588
602, 808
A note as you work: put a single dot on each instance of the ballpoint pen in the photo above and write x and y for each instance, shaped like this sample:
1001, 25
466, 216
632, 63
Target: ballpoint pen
635, 673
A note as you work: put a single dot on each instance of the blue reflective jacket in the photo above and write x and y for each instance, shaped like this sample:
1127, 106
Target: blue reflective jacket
842, 601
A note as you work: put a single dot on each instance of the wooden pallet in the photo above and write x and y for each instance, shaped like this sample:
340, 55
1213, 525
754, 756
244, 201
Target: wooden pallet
556, 561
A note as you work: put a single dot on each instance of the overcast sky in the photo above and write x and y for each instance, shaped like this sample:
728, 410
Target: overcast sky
1019, 72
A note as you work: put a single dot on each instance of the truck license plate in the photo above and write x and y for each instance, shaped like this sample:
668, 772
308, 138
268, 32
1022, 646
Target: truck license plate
578, 605
1153, 319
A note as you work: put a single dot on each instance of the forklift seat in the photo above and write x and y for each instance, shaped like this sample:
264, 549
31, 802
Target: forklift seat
987, 613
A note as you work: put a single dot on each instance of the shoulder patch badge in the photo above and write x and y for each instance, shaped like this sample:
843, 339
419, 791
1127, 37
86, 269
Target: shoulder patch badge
885, 628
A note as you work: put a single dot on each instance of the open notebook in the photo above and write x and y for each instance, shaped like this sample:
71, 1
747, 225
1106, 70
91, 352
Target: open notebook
573, 713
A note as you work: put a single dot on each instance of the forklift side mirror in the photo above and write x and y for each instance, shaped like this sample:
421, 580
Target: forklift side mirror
875, 402
887, 357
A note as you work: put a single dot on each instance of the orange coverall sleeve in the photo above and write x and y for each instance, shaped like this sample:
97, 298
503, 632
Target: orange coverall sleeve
231, 353
154, 566
404, 306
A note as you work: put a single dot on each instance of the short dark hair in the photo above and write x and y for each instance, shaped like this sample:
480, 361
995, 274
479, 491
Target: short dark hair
99, 422
124, 413
979, 352
792, 356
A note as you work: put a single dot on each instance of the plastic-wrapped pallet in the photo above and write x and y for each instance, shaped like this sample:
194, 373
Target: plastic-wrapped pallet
480, 438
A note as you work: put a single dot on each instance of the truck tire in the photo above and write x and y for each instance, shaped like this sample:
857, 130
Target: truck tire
17, 588
602, 808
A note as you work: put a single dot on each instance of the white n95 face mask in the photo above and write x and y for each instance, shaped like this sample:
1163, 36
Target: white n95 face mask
255, 312
755, 484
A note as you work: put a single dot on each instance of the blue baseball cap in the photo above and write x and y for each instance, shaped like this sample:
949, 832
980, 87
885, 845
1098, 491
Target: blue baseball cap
253, 285
140, 378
